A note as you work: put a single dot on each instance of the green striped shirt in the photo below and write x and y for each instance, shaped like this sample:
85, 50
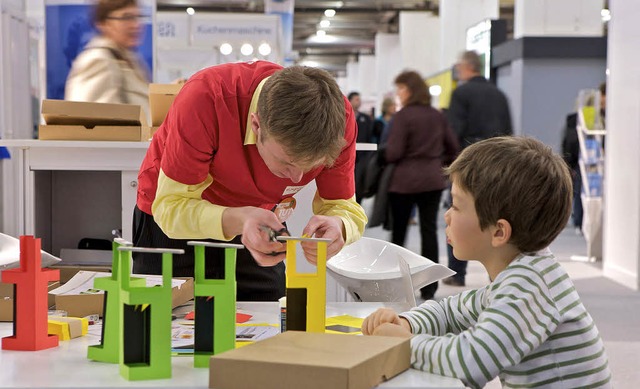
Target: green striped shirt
528, 327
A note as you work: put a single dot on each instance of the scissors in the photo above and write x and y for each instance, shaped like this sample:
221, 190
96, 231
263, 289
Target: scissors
273, 236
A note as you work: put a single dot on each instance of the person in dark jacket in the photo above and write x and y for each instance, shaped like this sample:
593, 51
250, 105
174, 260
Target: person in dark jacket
478, 110
420, 143
571, 155
365, 135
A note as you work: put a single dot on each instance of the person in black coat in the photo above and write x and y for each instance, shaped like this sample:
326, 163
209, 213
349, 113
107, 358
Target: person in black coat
478, 110
571, 155
365, 135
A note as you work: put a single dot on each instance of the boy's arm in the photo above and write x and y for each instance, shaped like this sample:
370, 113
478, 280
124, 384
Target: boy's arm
453, 314
520, 317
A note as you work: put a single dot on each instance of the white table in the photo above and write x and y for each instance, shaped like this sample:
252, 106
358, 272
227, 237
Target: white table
68, 366
46, 198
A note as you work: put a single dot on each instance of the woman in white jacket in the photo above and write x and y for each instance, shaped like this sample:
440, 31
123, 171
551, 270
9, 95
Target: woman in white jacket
108, 70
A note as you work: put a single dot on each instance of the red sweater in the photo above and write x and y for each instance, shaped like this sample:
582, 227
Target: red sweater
203, 134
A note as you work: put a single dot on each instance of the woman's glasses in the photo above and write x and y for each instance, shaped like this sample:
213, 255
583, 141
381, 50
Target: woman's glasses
129, 18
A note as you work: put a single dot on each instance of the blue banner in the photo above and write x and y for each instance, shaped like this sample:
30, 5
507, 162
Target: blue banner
69, 27
284, 9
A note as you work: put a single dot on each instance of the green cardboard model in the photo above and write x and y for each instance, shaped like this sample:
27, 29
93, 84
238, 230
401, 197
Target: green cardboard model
145, 314
215, 300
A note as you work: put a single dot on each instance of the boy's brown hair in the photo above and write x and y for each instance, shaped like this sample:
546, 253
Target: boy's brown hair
303, 109
520, 180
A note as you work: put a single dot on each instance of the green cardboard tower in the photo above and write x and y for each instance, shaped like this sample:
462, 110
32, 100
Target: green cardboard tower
145, 337
109, 348
215, 300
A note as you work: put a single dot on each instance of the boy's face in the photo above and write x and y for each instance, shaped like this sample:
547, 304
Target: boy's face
463, 228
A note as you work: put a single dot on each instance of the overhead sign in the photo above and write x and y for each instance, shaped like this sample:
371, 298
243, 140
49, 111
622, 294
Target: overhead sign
214, 29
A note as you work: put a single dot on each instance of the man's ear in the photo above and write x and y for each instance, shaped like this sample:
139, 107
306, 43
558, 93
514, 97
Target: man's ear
501, 233
255, 123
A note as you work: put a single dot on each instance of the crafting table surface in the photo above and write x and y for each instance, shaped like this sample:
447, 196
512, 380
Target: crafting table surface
67, 365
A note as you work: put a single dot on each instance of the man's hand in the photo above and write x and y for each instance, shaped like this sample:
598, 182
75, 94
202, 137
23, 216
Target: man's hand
254, 225
328, 227
383, 316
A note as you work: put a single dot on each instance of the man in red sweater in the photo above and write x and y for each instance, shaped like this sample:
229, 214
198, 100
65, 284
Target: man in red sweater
239, 140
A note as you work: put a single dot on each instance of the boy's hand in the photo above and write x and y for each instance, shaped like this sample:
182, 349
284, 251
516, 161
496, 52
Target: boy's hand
388, 329
382, 316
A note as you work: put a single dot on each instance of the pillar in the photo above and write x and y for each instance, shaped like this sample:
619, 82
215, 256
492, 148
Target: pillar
621, 256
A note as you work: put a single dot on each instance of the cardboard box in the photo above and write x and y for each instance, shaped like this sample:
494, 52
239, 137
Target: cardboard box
311, 361
161, 97
6, 299
73, 120
80, 304
67, 327
67, 271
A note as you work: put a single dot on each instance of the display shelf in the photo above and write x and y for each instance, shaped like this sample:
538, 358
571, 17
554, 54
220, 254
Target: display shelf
591, 135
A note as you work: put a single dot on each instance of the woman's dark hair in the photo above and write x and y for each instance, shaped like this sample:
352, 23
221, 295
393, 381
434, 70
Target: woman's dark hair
418, 87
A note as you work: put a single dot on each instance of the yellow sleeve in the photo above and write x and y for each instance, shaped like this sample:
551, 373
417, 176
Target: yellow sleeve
181, 212
349, 211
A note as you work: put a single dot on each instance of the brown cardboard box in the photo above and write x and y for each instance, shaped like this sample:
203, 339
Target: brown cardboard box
80, 305
6, 299
311, 361
68, 271
73, 120
161, 97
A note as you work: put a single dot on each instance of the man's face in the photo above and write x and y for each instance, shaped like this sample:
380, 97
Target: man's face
464, 70
277, 159
355, 102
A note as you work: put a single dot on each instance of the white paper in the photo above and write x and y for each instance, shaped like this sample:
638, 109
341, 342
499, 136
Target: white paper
82, 283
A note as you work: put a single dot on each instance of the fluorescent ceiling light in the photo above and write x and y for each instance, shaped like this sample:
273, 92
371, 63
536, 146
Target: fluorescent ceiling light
246, 49
264, 49
226, 49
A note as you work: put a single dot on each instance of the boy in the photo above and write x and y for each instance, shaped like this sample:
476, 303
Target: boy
511, 198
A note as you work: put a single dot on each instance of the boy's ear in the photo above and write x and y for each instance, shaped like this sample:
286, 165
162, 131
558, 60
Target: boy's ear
501, 233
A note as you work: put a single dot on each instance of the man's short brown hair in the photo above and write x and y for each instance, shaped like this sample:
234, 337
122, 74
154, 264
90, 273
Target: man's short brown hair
303, 109
520, 180
103, 8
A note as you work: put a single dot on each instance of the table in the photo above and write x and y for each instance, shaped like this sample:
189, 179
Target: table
68, 366
66, 190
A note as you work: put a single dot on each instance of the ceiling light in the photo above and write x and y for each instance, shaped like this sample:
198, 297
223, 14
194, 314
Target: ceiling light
330, 13
264, 49
191, 11
325, 23
605, 14
226, 49
321, 33
435, 90
311, 64
339, 4
246, 49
